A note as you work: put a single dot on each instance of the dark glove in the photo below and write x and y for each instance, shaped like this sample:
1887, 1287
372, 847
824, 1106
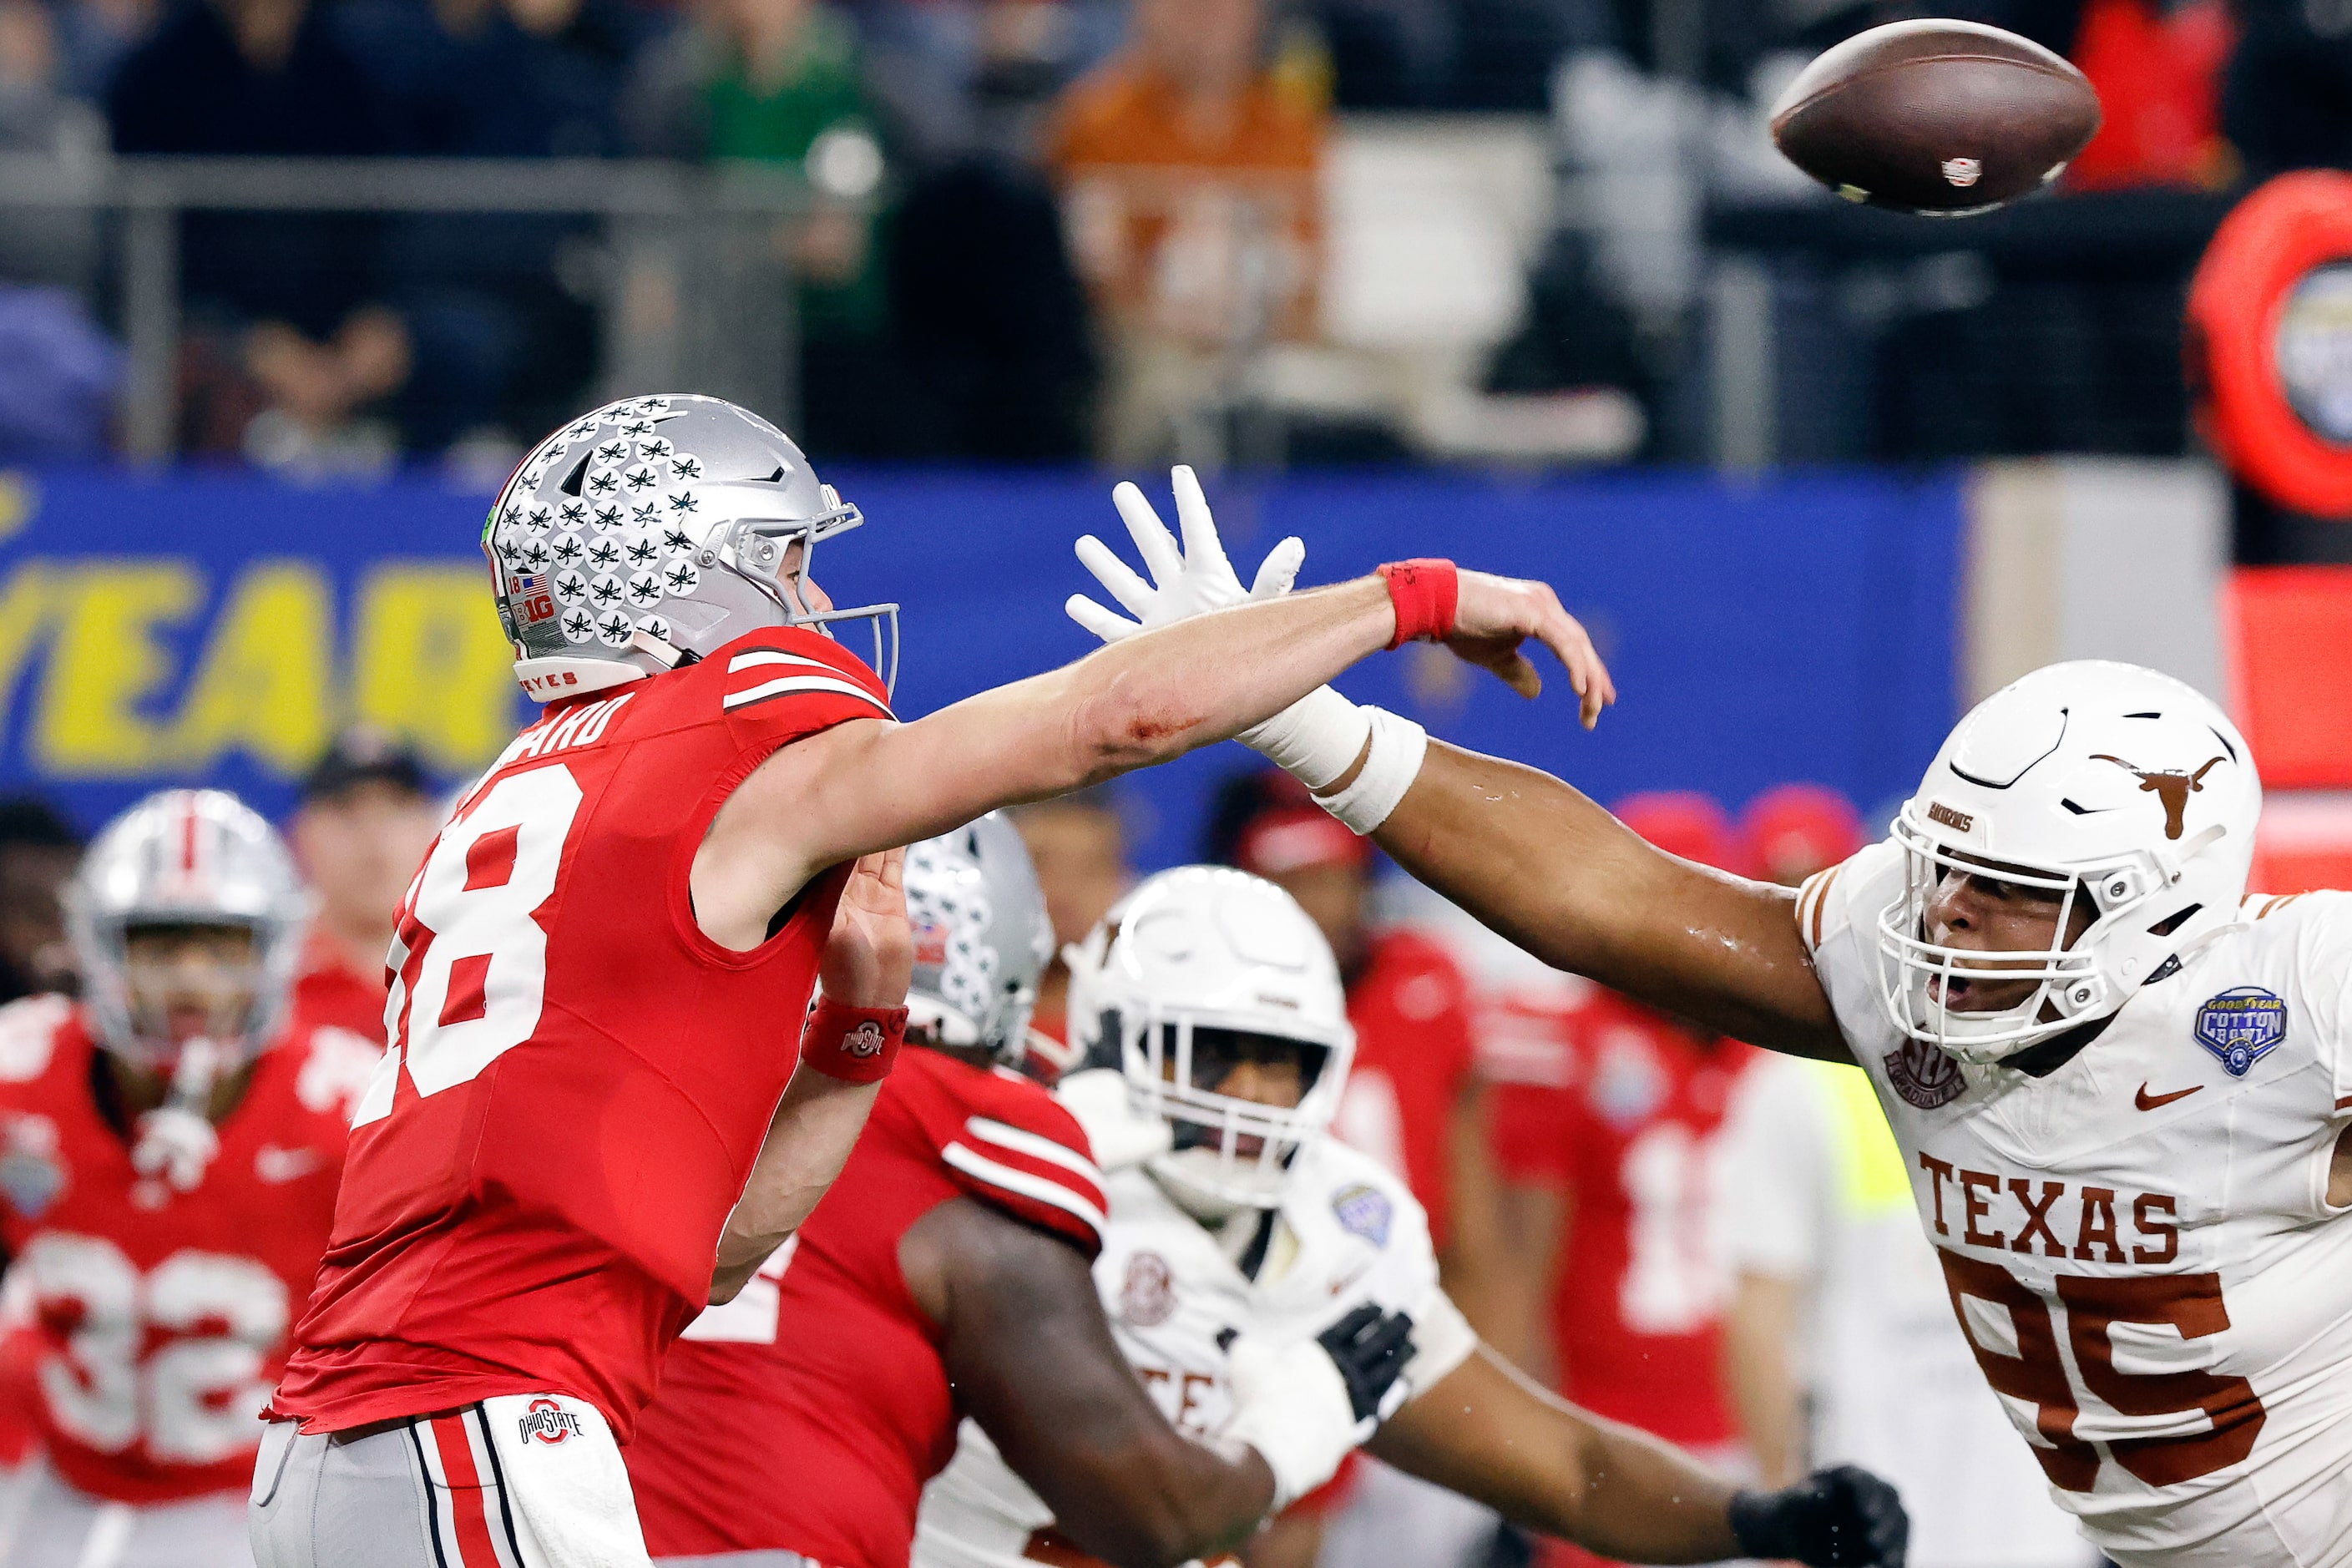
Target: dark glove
1844, 1518
1370, 1348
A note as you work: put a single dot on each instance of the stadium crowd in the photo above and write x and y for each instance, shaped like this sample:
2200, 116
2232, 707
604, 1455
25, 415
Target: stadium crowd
1020, 203
1681, 1233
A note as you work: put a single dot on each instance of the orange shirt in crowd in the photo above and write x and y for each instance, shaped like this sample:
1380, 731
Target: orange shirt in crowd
1185, 231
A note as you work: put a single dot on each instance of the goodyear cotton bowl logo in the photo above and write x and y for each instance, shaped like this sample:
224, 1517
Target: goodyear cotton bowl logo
1366, 1211
2241, 1026
549, 1423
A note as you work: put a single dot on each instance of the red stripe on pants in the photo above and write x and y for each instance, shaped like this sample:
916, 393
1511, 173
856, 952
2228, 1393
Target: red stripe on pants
474, 1548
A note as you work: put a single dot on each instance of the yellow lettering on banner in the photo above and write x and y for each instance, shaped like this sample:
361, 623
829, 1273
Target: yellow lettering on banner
24, 617
263, 684
105, 662
429, 661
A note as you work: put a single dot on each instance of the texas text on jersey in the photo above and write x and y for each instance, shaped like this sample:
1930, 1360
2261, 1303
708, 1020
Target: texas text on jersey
2140, 1245
542, 1167
824, 1372
161, 1316
1177, 1293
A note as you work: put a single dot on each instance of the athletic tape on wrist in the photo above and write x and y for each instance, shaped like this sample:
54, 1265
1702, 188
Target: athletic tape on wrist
1391, 764
1314, 740
1425, 594
855, 1045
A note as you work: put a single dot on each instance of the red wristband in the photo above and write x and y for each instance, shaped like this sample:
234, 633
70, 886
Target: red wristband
855, 1045
1424, 594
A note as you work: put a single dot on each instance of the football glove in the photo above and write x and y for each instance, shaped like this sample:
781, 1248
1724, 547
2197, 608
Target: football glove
1304, 1405
1843, 1518
1186, 582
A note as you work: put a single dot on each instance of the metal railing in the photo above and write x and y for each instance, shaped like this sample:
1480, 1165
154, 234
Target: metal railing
697, 290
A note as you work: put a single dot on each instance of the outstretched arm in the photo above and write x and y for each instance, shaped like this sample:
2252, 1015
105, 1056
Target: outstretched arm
1487, 1432
1562, 879
1033, 1361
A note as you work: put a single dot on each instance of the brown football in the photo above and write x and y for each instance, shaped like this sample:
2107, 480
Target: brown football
1936, 117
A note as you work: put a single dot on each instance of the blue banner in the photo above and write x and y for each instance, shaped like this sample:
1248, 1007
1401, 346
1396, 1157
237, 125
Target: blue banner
219, 628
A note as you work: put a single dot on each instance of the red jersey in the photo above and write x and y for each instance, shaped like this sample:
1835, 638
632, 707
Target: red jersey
159, 1318
580, 1079
1628, 1136
1415, 1056
327, 989
823, 1377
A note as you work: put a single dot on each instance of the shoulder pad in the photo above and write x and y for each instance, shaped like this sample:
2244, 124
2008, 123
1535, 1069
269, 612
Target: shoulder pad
1829, 901
28, 1036
1009, 1145
787, 675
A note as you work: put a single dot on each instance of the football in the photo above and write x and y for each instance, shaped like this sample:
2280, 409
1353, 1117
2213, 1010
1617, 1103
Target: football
1934, 117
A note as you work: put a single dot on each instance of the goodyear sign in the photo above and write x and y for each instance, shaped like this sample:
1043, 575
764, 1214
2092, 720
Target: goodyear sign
220, 630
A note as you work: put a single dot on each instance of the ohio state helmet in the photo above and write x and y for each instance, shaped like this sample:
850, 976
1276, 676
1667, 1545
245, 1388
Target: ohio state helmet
2095, 782
1201, 949
981, 940
658, 529
186, 857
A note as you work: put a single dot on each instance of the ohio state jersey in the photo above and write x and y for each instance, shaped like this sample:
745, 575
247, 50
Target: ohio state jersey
1414, 1061
1627, 1128
578, 1078
159, 1317
1347, 1231
2139, 1246
823, 1380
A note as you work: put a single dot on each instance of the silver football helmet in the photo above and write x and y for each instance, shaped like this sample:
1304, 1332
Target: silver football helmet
656, 528
981, 939
186, 858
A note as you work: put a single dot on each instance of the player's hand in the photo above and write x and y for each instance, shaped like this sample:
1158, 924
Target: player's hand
1843, 1518
1494, 616
870, 955
1185, 582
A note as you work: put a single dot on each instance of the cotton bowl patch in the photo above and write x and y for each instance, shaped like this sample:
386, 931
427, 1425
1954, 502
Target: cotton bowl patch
2241, 1026
1366, 1211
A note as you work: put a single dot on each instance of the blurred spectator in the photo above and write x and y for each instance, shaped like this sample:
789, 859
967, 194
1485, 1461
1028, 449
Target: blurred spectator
779, 81
1189, 175
1610, 1194
291, 342
1841, 1343
505, 339
38, 851
1793, 830
2287, 100
366, 819
57, 375
40, 115
94, 34
1414, 1102
1079, 843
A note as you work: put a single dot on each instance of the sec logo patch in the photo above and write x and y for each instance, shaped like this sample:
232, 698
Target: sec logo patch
2241, 1026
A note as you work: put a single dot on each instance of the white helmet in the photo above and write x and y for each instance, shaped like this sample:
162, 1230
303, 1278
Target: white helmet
186, 857
652, 530
981, 937
1190, 958
2095, 781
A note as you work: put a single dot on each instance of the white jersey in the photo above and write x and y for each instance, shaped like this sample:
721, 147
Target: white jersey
1176, 1291
2140, 1245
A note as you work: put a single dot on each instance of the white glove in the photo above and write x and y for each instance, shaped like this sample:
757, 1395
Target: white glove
1291, 1405
1184, 582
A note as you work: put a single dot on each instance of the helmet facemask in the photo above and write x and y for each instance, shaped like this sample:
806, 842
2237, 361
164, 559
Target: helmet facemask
2135, 894
1229, 1151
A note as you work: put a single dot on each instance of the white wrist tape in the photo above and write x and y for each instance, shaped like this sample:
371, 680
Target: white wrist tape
1398, 747
1314, 740
1291, 1405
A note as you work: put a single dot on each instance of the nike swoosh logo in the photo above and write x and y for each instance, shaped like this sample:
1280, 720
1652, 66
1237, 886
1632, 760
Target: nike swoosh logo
2147, 1101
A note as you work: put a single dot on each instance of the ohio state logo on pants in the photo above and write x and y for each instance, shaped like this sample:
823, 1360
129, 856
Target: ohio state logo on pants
549, 1423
